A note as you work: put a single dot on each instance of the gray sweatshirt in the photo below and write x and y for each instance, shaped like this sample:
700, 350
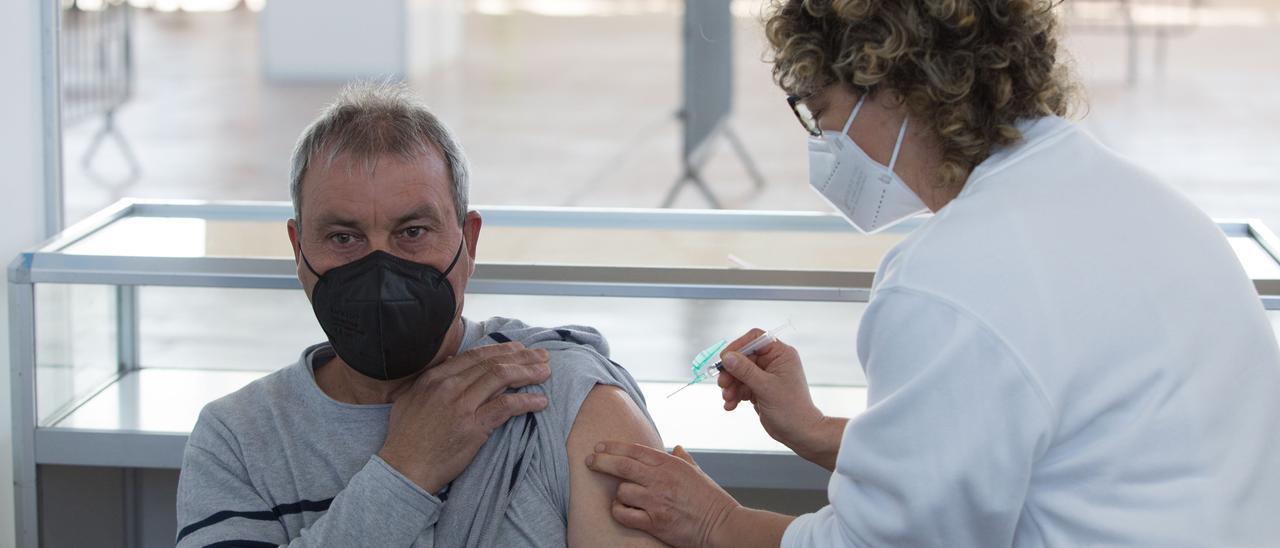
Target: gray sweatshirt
280, 463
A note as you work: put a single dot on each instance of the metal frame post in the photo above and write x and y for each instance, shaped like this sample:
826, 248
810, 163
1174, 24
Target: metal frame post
51, 86
127, 343
127, 336
22, 354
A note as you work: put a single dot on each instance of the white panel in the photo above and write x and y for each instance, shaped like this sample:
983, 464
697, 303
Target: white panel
21, 218
333, 40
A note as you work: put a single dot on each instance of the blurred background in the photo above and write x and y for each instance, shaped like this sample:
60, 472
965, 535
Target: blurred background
575, 102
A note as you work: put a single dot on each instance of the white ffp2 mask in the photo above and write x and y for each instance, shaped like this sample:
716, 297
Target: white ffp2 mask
869, 194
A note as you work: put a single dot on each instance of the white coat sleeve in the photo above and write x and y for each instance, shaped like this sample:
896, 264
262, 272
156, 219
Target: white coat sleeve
943, 454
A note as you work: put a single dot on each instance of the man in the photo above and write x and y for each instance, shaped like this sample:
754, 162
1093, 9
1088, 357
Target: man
412, 425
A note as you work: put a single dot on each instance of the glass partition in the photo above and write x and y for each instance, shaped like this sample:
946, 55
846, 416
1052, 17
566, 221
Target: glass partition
562, 245
223, 329
77, 345
655, 339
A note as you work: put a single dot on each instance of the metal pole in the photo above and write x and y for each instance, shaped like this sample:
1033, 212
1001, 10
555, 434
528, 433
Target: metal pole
130, 501
127, 328
51, 99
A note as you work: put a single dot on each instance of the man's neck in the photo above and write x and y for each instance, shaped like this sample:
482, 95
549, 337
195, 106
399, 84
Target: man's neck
344, 384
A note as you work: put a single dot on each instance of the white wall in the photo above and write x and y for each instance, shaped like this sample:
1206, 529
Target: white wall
21, 191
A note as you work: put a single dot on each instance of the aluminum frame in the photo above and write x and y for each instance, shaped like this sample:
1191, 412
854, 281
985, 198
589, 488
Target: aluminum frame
34, 444
51, 112
22, 359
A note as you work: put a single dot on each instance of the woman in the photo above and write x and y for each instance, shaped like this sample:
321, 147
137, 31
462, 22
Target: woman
1067, 354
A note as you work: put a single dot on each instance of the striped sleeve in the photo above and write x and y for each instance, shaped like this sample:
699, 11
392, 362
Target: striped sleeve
218, 505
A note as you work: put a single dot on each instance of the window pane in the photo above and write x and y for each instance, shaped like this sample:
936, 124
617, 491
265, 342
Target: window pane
655, 339
77, 344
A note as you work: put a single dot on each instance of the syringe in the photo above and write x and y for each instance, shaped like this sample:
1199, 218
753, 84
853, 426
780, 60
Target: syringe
702, 372
765, 339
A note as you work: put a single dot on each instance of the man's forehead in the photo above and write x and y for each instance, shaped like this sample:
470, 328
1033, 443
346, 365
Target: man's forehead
387, 188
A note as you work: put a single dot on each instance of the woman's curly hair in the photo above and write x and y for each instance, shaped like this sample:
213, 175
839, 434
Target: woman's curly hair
970, 69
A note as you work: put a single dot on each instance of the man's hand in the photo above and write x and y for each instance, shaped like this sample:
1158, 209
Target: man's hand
441, 421
773, 381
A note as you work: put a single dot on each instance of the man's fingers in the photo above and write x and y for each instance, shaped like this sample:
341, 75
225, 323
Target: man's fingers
500, 409
462, 362
623, 468
642, 453
488, 379
742, 341
632, 518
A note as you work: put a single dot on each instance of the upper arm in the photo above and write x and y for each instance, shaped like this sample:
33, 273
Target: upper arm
608, 413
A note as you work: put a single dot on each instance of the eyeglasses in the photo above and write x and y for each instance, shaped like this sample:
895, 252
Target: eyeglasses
806, 117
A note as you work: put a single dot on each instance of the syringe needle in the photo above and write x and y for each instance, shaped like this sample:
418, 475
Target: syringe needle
682, 388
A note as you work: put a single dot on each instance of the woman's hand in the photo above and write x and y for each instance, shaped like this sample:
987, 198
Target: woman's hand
773, 381
667, 496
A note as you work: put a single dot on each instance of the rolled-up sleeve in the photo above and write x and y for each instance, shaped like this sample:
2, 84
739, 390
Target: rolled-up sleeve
944, 453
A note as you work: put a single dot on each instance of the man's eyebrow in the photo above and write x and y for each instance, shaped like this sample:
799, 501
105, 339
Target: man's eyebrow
424, 213
331, 219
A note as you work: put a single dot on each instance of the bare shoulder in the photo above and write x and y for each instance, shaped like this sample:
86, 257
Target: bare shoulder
608, 413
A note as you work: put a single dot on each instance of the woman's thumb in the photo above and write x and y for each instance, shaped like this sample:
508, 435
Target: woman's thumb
683, 455
746, 371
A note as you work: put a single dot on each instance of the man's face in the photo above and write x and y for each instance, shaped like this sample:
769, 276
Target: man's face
402, 207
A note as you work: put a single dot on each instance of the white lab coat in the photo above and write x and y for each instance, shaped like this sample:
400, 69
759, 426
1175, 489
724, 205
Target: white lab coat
1068, 354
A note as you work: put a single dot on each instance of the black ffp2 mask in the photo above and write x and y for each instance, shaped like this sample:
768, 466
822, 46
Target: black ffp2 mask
385, 316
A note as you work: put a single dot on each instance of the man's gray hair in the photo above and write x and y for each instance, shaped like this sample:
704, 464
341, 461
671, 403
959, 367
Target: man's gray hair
368, 120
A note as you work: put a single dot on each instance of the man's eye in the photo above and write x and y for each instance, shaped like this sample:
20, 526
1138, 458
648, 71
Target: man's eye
415, 232
342, 238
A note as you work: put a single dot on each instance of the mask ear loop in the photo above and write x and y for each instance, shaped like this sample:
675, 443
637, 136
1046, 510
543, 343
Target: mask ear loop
897, 147
848, 123
304, 255
456, 256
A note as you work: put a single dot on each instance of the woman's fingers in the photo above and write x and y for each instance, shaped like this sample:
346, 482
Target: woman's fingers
633, 518
673, 500
745, 370
623, 468
725, 381
743, 340
633, 495
642, 453
683, 455
734, 395
627, 461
